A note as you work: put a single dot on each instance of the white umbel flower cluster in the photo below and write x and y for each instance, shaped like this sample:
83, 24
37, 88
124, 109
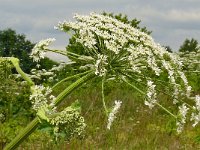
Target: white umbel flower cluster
70, 122
119, 46
38, 51
67, 123
112, 114
47, 75
196, 115
151, 95
40, 95
182, 120
40, 74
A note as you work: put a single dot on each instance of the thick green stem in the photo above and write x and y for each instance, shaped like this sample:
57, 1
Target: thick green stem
23, 135
15, 62
73, 86
69, 78
33, 125
103, 96
62, 52
133, 86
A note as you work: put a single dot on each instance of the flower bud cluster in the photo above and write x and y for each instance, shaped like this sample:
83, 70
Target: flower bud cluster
68, 122
38, 51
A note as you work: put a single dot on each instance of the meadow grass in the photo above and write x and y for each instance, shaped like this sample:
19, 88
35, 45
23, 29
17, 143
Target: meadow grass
136, 126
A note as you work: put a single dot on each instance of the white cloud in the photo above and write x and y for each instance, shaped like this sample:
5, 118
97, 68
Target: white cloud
170, 20
184, 15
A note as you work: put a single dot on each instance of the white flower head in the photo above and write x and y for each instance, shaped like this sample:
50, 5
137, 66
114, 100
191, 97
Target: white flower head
182, 120
38, 51
100, 65
196, 115
39, 96
112, 114
151, 94
196, 118
197, 100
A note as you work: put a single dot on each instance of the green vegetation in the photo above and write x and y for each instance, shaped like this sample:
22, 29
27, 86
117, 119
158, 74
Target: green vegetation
15, 107
136, 127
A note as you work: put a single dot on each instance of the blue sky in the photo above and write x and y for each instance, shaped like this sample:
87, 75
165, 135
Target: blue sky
172, 21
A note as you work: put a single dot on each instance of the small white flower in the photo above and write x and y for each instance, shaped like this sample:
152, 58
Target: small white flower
112, 114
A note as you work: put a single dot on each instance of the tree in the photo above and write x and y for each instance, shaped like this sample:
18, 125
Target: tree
189, 46
16, 45
168, 48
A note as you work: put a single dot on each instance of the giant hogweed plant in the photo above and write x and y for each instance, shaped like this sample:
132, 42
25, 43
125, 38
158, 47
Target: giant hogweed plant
112, 50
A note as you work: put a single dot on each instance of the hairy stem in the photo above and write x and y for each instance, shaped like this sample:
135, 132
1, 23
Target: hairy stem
15, 62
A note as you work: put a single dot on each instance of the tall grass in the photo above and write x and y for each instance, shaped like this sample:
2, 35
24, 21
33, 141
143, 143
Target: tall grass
136, 126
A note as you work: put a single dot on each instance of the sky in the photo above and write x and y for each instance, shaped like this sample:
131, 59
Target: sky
171, 21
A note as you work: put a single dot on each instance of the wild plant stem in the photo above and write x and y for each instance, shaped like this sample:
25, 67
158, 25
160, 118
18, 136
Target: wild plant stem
145, 94
23, 135
166, 110
103, 96
69, 78
15, 62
